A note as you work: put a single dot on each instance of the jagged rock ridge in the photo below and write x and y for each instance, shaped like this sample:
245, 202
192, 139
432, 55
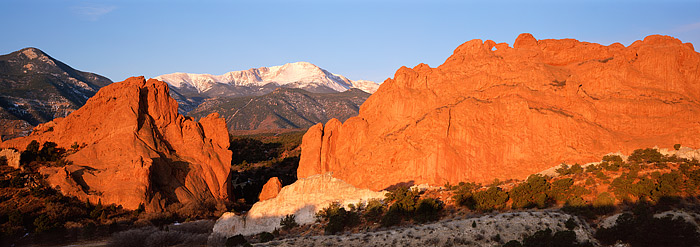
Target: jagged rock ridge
136, 149
492, 111
36, 88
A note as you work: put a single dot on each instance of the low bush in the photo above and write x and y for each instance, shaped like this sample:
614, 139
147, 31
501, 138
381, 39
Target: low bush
647, 155
428, 210
404, 198
392, 216
288, 222
338, 218
463, 194
641, 228
532, 193
545, 238
266, 237
490, 199
374, 210
237, 240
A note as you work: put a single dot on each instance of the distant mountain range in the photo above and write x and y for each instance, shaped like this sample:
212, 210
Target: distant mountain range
192, 89
283, 108
36, 88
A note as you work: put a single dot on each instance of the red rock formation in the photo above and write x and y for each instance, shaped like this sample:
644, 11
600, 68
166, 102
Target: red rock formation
496, 112
136, 148
270, 189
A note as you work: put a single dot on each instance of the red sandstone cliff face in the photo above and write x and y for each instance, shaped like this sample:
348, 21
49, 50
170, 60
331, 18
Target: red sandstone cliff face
497, 112
137, 149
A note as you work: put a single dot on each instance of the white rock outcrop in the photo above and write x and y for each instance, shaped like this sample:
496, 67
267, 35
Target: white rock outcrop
303, 198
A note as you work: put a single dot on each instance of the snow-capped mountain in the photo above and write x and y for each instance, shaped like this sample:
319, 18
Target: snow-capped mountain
292, 75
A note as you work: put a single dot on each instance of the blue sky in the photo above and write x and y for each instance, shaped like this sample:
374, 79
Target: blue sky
359, 39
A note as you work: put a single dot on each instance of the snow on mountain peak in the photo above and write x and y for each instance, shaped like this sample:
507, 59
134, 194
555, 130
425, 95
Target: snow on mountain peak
298, 75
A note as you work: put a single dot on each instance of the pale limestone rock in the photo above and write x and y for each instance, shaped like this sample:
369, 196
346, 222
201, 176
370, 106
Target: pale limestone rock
303, 198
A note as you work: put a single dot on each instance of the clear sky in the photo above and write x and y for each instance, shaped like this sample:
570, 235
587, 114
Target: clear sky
359, 39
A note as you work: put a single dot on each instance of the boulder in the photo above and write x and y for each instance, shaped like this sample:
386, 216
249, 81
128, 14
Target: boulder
270, 189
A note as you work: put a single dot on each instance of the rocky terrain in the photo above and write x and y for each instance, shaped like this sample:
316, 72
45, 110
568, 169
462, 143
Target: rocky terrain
493, 111
36, 88
283, 108
132, 148
303, 199
490, 230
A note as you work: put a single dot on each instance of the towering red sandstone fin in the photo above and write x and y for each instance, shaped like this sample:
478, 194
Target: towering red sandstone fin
506, 113
136, 149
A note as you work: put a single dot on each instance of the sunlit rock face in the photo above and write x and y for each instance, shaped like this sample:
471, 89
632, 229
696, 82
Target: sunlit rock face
303, 198
492, 111
136, 149
270, 189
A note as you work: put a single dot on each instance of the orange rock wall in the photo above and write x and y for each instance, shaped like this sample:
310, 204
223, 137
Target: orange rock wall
497, 112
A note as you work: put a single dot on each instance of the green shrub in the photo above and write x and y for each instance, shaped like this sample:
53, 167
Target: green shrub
404, 198
44, 224
647, 155
288, 222
570, 224
237, 240
338, 219
374, 210
463, 194
490, 199
428, 210
531, 193
612, 158
266, 237
30, 153
669, 184
392, 216
545, 238
604, 199
563, 169
640, 228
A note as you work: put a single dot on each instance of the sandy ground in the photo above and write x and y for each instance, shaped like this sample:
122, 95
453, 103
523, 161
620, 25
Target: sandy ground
490, 230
